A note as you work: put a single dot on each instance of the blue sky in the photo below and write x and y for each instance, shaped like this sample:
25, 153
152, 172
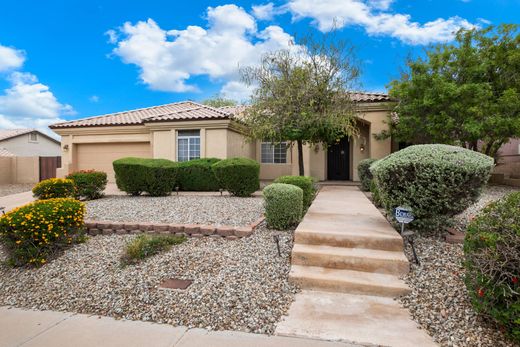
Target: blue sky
62, 60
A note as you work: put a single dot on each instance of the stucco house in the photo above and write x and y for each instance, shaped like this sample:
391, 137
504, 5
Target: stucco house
186, 130
28, 143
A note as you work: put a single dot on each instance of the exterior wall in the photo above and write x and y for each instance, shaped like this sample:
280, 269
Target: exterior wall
215, 143
19, 170
272, 171
238, 146
22, 147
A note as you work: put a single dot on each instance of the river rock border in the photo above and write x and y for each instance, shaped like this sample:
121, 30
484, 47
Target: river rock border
189, 230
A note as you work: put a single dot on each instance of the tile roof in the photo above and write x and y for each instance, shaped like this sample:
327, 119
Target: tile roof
5, 153
9, 133
178, 111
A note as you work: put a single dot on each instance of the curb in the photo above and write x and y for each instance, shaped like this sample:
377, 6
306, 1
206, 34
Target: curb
188, 230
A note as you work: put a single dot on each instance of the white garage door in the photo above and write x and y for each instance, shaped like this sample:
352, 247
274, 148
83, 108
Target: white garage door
99, 156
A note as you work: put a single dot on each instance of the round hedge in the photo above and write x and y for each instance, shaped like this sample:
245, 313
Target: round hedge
304, 182
53, 188
492, 252
283, 205
436, 181
365, 176
239, 176
156, 177
90, 184
197, 175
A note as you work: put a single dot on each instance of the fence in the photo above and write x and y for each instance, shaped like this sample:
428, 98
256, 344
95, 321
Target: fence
15, 170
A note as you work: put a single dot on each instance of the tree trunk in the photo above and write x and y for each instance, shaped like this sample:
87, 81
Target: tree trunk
300, 157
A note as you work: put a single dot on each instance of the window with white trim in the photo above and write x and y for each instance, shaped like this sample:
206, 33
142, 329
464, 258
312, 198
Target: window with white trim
273, 153
188, 145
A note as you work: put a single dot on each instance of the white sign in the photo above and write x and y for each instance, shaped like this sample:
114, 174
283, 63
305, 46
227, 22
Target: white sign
403, 214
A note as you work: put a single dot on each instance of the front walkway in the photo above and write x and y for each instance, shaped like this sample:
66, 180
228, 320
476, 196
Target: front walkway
15, 200
348, 259
57, 329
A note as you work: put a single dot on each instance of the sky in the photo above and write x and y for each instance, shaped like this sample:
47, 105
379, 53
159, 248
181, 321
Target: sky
63, 60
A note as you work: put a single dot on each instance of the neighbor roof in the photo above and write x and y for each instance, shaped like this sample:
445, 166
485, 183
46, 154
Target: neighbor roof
10, 133
370, 97
178, 111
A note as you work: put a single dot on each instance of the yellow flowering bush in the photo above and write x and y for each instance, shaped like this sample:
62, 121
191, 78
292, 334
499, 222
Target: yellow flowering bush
55, 188
35, 232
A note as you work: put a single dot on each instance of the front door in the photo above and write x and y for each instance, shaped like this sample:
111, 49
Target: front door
338, 160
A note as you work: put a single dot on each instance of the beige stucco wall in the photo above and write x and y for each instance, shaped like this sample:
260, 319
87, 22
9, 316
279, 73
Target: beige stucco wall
22, 147
238, 146
19, 170
6, 170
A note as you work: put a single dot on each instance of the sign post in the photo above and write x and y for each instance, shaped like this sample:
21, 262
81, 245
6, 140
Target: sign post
404, 215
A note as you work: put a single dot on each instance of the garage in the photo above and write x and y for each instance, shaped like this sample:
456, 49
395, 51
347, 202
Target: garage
99, 156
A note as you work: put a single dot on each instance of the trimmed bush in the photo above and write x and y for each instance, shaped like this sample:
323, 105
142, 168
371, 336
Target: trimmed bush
365, 176
436, 181
239, 176
492, 251
157, 177
376, 197
144, 246
283, 205
305, 183
197, 175
90, 184
54, 188
35, 232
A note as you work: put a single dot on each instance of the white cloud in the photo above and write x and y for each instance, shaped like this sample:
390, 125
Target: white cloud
167, 59
10, 58
237, 90
94, 98
329, 13
265, 12
112, 36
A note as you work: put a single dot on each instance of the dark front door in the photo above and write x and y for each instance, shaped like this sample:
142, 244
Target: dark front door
48, 166
338, 160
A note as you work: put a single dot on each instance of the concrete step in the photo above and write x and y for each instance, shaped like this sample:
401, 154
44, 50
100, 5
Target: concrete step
347, 281
359, 259
350, 239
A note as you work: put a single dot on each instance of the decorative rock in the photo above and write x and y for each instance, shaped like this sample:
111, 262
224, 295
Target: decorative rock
192, 229
107, 231
160, 227
225, 231
197, 235
90, 224
94, 231
121, 232
215, 236
243, 232
207, 230
176, 228
103, 225
117, 225
146, 226
231, 238
136, 231
131, 226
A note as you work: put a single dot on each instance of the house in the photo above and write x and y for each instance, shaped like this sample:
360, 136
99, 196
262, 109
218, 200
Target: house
28, 143
188, 130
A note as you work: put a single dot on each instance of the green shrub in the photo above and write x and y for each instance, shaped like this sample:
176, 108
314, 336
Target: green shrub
492, 252
239, 176
305, 183
436, 181
365, 176
156, 177
34, 232
54, 188
197, 175
283, 205
144, 246
376, 197
90, 184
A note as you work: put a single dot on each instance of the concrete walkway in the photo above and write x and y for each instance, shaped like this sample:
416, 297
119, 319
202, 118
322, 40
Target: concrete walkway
15, 200
348, 259
26, 328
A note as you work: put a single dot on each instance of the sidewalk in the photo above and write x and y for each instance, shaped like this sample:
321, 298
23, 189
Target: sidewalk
26, 328
15, 200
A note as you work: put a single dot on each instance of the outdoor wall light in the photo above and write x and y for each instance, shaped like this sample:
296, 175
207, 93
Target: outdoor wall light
66, 148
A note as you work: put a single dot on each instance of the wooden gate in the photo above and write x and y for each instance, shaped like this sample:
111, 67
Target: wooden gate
48, 166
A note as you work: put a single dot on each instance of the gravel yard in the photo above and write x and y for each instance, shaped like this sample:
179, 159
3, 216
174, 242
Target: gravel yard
439, 301
182, 209
8, 189
238, 285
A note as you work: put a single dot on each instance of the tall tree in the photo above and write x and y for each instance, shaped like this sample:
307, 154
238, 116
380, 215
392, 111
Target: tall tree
466, 93
302, 94
219, 101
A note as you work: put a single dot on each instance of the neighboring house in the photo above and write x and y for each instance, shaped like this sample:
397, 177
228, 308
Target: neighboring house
28, 143
508, 161
188, 130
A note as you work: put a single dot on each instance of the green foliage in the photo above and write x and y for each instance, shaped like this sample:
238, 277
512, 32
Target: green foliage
197, 175
90, 184
219, 101
376, 197
144, 246
365, 176
54, 188
462, 93
305, 183
156, 177
300, 98
436, 181
35, 232
492, 252
283, 205
239, 176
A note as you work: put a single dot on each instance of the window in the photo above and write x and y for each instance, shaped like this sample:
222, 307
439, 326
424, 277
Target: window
188, 145
33, 137
273, 153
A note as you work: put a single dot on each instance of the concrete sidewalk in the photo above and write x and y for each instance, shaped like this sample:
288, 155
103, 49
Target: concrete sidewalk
26, 328
15, 200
